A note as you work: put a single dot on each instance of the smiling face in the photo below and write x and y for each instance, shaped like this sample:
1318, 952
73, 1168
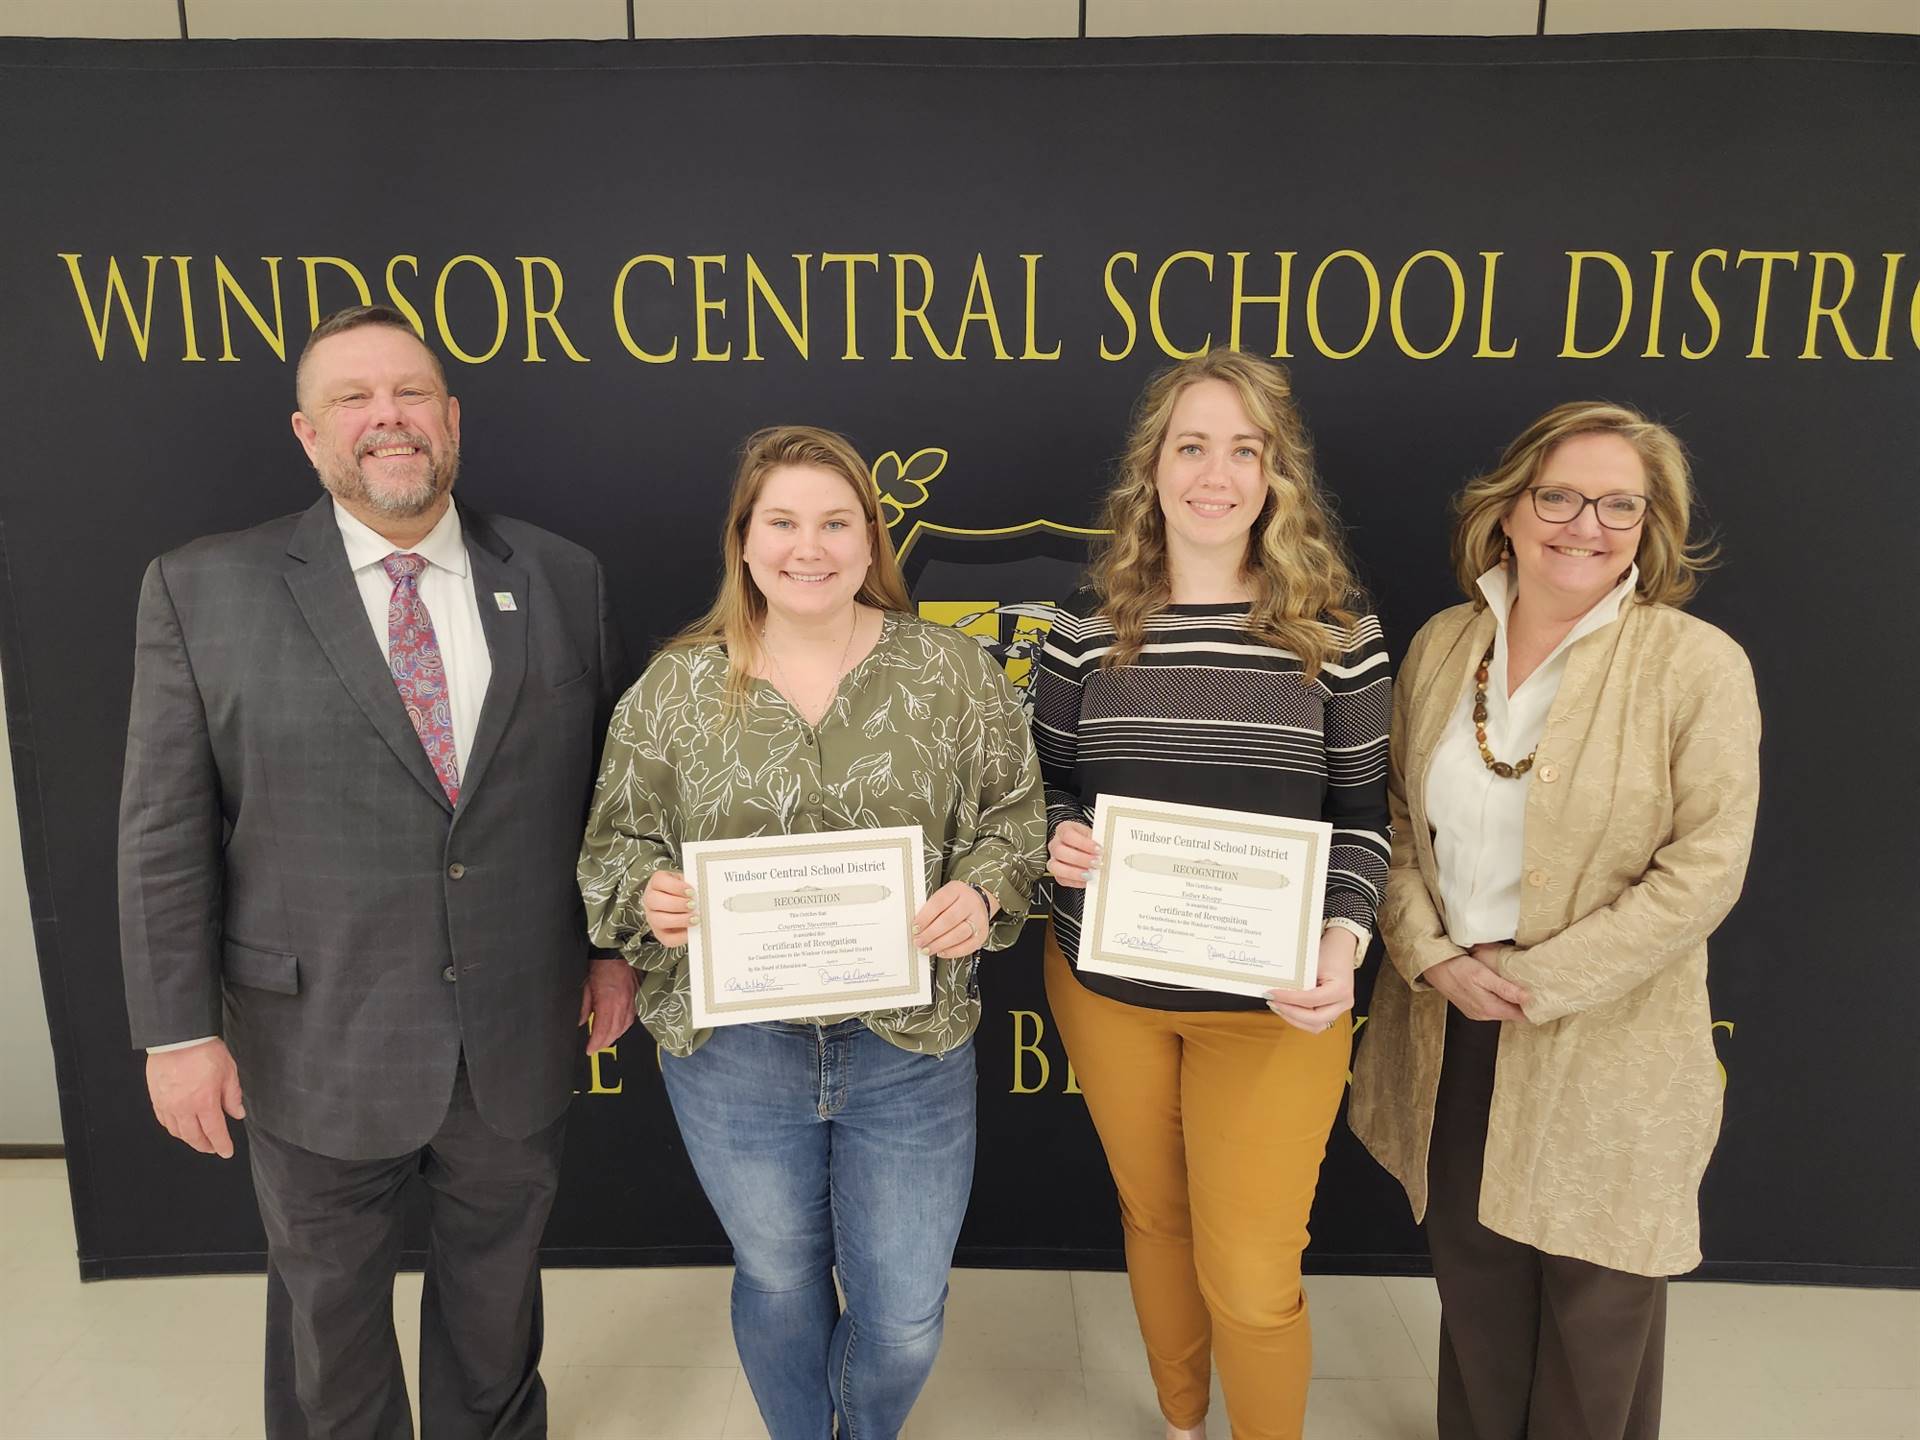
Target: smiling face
377, 423
806, 544
1580, 560
1209, 475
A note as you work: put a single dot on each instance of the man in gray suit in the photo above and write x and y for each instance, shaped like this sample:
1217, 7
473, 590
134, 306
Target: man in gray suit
361, 751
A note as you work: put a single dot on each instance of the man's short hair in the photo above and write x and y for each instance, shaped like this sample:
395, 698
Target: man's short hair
353, 317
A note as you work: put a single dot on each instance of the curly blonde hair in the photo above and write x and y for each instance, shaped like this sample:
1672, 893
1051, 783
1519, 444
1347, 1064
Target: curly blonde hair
1671, 562
1296, 563
739, 612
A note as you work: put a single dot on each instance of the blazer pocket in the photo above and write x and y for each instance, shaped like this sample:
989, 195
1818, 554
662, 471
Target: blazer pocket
560, 664
261, 969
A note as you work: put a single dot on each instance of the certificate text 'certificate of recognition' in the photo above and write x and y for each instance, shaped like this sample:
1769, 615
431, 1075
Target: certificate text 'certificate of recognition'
1211, 899
799, 927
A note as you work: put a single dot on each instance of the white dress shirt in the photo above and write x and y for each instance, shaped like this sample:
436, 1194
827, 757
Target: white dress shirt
446, 588
1478, 817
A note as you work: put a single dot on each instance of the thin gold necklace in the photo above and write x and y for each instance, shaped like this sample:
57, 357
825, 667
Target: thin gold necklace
790, 689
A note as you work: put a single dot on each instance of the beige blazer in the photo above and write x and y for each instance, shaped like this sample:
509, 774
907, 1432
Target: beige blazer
1606, 1104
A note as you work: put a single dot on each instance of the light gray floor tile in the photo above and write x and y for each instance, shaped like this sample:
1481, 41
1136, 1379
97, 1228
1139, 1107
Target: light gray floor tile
1418, 1305
606, 1402
1357, 1332
1010, 1320
1001, 1405
1103, 1317
1397, 1409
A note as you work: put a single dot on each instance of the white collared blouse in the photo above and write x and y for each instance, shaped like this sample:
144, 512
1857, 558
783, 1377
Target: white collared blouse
1478, 817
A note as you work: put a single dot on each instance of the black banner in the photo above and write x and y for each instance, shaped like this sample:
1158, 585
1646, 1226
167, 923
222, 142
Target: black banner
969, 256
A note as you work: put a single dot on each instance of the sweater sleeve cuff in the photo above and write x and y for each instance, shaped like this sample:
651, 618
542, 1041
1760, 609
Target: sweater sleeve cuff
1354, 928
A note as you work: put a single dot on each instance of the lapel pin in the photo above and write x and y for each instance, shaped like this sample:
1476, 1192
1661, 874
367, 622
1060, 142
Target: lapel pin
503, 600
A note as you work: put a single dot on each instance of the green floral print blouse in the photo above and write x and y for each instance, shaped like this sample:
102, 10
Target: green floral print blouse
924, 731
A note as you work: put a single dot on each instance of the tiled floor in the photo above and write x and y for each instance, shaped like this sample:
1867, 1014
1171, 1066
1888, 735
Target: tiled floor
1038, 1355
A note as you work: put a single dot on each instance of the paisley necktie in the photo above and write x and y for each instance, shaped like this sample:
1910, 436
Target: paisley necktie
414, 657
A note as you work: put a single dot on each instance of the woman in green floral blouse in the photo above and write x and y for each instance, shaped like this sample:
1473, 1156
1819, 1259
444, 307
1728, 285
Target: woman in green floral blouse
810, 699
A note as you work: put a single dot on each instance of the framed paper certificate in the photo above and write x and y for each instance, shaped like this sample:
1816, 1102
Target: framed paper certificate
1212, 899
803, 926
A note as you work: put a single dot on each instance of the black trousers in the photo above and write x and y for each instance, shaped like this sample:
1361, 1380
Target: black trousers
333, 1247
1532, 1346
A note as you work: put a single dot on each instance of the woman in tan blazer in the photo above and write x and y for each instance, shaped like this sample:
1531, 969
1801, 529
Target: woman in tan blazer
1574, 773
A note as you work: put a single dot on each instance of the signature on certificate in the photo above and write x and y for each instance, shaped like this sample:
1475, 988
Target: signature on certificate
1151, 944
851, 977
751, 984
1232, 955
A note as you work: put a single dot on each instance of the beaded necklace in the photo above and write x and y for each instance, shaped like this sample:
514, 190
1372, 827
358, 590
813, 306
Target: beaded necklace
1498, 767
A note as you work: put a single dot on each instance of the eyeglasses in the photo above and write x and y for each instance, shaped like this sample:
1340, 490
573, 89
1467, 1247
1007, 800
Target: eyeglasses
1557, 505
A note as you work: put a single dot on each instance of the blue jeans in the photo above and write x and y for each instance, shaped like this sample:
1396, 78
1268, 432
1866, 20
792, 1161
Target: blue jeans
821, 1149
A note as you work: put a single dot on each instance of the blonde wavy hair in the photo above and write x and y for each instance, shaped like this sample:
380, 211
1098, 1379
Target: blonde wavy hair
1296, 563
1671, 562
739, 613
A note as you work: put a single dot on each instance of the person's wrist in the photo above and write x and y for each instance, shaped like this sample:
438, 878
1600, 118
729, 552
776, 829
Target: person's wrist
1343, 941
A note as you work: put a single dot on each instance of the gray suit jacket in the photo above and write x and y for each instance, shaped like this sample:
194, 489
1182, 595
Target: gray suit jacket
292, 876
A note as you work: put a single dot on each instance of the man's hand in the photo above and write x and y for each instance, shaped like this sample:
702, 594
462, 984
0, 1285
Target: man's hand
1474, 988
607, 1000
193, 1091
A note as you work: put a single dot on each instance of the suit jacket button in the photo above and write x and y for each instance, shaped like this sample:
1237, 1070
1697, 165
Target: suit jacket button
448, 975
1548, 774
1537, 879
456, 870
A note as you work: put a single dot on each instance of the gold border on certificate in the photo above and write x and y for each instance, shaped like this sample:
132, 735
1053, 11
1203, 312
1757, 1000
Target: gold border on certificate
907, 841
1099, 947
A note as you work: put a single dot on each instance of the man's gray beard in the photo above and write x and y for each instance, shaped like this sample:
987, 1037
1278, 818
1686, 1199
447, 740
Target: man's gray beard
346, 483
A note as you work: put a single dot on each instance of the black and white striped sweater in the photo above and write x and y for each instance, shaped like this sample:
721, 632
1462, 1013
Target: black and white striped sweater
1209, 715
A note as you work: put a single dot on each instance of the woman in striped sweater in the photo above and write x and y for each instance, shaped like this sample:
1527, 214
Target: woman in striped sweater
1217, 657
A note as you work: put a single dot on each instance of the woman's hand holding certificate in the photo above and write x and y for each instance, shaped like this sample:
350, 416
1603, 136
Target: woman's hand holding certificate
1214, 899
800, 927
667, 902
1316, 1009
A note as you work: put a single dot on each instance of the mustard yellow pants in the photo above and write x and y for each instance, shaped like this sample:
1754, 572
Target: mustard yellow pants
1214, 1124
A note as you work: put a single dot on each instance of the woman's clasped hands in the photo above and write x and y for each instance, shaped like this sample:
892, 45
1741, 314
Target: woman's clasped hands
1475, 988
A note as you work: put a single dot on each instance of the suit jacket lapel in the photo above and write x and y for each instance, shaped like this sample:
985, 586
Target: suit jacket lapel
494, 575
323, 586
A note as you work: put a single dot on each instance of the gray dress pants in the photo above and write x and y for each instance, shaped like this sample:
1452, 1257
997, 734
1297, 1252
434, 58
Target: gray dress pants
1532, 1346
333, 1247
